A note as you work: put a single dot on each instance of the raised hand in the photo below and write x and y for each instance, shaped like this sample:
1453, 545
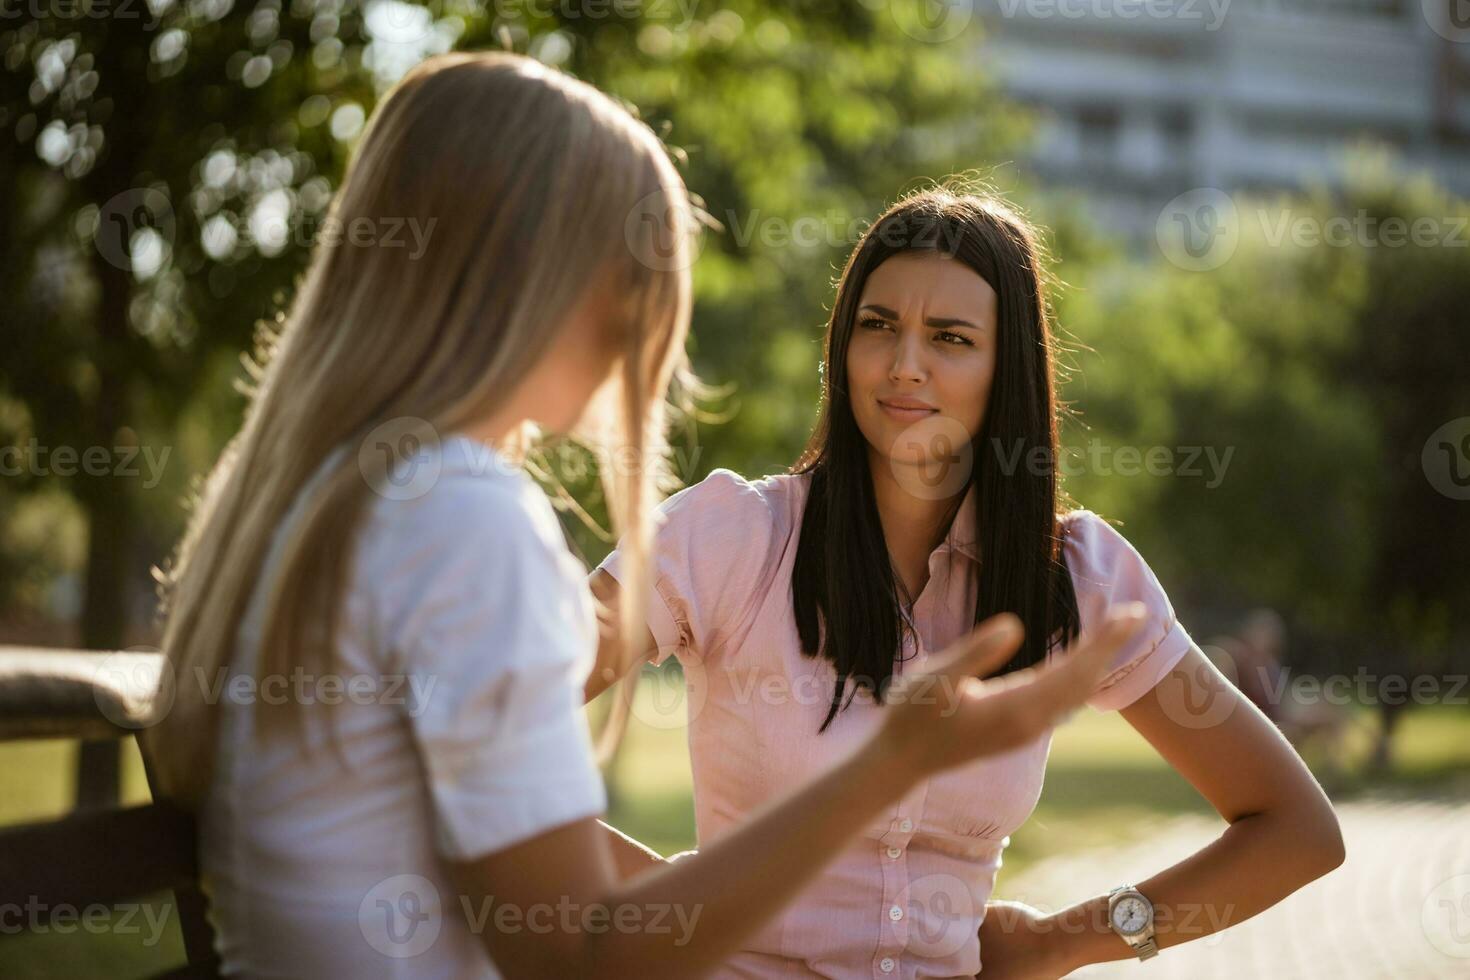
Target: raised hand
946, 715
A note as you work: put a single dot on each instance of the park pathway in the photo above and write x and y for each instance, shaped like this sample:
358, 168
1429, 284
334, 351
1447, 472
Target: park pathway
1397, 909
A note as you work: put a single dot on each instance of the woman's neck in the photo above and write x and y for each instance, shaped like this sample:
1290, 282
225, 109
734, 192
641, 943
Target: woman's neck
913, 526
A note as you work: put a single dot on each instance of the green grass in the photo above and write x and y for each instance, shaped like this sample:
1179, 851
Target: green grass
1104, 784
135, 940
36, 779
139, 939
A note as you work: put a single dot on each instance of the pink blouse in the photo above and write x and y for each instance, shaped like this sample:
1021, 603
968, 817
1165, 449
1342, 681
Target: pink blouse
907, 897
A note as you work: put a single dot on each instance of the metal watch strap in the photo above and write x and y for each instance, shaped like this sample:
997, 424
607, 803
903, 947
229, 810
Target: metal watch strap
1148, 948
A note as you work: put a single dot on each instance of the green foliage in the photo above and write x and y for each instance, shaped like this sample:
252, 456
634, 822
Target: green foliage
1314, 373
1322, 365
145, 144
213, 119
799, 122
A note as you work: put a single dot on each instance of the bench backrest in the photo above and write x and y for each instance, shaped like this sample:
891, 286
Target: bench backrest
111, 854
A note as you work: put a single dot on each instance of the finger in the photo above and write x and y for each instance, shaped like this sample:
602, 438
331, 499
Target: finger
986, 649
1089, 660
1066, 681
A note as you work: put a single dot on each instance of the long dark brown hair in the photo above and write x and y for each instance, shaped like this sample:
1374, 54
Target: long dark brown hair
845, 594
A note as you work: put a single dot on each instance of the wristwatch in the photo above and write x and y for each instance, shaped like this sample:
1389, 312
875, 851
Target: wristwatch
1132, 916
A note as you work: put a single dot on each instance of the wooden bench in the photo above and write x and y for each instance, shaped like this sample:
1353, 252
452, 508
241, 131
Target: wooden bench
110, 855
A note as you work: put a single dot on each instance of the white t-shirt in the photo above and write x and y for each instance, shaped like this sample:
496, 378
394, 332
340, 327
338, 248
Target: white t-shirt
467, 633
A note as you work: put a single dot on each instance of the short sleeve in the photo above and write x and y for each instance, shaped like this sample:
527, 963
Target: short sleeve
1106, 571
480, 605
712, 544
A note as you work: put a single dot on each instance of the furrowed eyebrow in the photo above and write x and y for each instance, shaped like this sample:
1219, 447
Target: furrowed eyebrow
937, 322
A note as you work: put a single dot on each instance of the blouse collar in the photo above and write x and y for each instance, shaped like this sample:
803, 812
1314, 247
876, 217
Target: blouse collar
962, 536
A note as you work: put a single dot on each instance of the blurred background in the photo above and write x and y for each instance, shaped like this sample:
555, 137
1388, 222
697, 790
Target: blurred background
1257, 214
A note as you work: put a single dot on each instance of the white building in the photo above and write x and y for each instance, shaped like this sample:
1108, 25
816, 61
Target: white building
1141, 100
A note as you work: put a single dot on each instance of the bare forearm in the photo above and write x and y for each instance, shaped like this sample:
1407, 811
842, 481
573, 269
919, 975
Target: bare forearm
1255, 863
631, 857
735, 885
613, 660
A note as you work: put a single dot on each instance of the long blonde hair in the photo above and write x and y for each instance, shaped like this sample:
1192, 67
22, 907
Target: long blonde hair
540, 185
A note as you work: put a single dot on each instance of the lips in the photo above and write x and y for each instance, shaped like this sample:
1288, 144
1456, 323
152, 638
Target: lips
906, 409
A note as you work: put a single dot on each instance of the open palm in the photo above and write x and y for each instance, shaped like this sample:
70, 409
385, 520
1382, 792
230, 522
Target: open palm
946, 715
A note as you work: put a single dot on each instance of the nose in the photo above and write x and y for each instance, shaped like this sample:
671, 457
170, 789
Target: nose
908, 361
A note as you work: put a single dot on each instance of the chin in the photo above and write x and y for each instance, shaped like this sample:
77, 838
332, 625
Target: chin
933, 460
908, 455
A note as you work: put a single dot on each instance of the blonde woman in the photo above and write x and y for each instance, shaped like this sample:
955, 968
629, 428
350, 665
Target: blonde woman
378, 635
926, 502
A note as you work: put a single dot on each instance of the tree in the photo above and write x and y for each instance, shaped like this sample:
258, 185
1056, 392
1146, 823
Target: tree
168, 164
1326, 356
143, 147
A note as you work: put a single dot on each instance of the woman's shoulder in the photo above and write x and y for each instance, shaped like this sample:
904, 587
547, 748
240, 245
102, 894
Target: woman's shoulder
1106, 567
466, 498
453, 557
729, 534
724, 502
1091, 540
1107, 570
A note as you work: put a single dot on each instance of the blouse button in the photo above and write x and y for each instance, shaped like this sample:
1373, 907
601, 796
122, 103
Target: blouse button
895, 913
895, 852
906, 825
886, 964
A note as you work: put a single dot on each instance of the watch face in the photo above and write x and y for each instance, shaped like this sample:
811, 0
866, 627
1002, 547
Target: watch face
1130, 915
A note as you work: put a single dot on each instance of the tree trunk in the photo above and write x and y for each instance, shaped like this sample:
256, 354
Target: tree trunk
105, 498
1389, 716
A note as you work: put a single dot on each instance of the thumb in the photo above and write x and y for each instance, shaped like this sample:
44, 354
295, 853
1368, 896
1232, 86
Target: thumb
987, 648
